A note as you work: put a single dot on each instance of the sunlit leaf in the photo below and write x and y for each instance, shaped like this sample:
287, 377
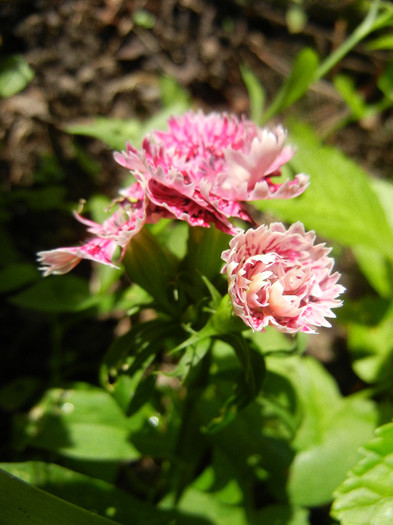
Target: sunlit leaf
114, 132
85, 422
330, 431
22, 504
256, 93
366, 497
301, 76
340, 203
91, 493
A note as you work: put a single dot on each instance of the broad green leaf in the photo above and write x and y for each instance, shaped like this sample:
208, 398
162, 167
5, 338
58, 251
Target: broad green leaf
371, 348
340, 203
22, 504
330, 430
301, 76
366, 496
319, 468
15, 74
384, 190
114, 132
281, 515
375, 265
84, 423
208, 505
377, 268
16, 276
67, 293
274, 342
317, 394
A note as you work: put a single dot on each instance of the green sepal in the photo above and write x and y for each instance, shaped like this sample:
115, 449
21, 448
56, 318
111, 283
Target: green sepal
154, 268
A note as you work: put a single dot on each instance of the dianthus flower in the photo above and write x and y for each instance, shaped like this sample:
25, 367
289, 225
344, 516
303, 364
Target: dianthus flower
278, 277
115, 232
203, 170
206, 167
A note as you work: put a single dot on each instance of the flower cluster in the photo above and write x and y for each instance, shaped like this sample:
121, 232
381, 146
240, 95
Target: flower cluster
204, 170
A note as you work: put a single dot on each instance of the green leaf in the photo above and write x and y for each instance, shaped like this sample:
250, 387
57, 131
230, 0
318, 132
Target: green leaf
16, 276
67, 293
173, 94
301, 76
371, 348
256, 93
15, 74
381, 42
83, 422
246, 386
22, 504
319, 468
208, 506
114, 132
385, 82
377, 269
340, 203
355, 101
91, 493
366, 497
143, 18
281, 515
330, 431
124, 369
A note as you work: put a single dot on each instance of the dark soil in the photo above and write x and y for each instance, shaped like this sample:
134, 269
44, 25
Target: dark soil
92, 58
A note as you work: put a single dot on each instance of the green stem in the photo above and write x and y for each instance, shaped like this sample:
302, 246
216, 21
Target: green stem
365, 28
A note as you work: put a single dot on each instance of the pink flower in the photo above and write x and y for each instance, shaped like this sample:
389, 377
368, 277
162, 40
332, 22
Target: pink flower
203, 170
115, 232
63, 260
278, 277
206, 167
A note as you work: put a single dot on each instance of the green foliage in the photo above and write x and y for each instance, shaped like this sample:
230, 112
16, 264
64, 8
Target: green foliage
185, 416
340, 193
302, 75
115, 132
23, 504
15, 75
365, 497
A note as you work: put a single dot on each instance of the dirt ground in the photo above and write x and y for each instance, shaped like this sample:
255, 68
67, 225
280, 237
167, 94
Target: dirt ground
106, 57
